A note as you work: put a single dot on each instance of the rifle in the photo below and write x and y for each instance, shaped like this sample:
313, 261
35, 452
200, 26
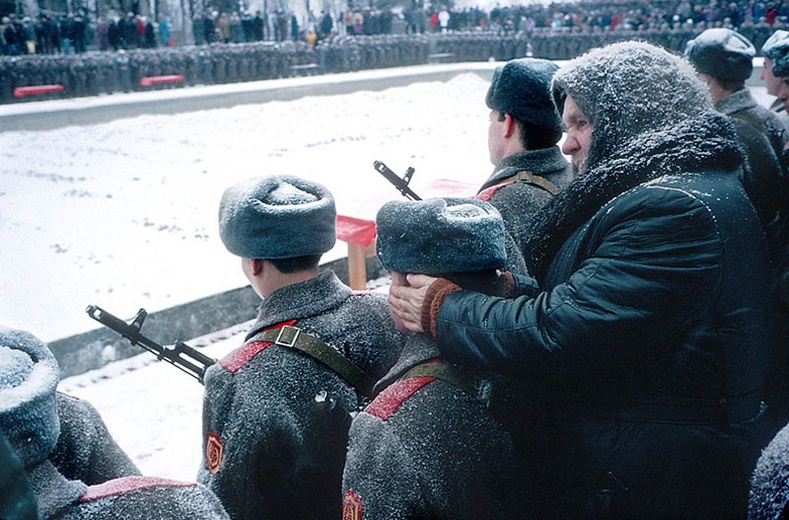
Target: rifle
180, 355
400, 184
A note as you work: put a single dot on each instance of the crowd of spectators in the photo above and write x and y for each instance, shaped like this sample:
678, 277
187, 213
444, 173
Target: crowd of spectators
238, 48
612, 15
45, 36
74, 33
77, 32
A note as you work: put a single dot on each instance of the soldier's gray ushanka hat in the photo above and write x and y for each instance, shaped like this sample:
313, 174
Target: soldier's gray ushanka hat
522, 88
776, 49
277, 217
29, 376
721, 53
440, 236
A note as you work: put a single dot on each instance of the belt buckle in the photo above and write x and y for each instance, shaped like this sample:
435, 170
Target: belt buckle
284, 342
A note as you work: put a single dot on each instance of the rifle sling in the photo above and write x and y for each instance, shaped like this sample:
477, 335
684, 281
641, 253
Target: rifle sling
451, 374
535, 180
293, 337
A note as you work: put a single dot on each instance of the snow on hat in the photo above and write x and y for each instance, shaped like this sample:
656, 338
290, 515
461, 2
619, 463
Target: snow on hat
29, 376
522, 88
277, 217
722, 54
776, 49
439, 236
627, 89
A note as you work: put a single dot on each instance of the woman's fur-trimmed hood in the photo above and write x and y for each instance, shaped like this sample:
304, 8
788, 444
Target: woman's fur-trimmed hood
650, 117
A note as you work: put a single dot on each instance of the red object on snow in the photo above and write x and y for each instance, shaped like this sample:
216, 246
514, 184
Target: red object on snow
354, 230
36, 89
152, 80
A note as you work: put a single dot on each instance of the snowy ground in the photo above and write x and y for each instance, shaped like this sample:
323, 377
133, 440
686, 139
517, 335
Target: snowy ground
123, 215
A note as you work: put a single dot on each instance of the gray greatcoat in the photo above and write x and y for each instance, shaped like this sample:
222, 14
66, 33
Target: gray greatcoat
765, 182
273, 450
517, 200
425, 448
86, 450
770, 482
767, 185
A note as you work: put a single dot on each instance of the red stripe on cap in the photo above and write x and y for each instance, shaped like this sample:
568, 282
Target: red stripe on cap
389, 400
241, 356
123, 485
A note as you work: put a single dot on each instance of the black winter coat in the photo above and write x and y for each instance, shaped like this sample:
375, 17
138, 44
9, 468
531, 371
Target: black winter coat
649, 336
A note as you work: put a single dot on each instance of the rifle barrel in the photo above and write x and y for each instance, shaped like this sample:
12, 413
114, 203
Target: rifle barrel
180, 355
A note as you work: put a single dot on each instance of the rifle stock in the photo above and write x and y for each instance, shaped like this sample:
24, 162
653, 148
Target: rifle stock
180, 355
400, 184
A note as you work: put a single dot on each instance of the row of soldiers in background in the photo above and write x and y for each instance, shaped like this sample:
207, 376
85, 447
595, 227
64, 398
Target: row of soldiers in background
18, 37
95, 72
481, 46
104, 73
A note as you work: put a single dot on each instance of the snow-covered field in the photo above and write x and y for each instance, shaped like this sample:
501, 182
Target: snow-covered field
123, 215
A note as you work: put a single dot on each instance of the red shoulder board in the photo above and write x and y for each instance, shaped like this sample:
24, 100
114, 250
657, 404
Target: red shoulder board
123, 485
487, 193
389, 400
351, 506
241, 356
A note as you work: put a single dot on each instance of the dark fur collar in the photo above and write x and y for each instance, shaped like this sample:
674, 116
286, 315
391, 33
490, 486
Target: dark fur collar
704, 143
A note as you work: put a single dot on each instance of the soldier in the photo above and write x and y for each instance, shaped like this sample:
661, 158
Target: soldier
124, 69
724, 60
205, 62
85, 449
522, 142
275, 415
29, 417
778, 51
428, 445
769, 497
772, 83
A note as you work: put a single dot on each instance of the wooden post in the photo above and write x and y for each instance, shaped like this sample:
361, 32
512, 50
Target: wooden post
359, 234
357, 270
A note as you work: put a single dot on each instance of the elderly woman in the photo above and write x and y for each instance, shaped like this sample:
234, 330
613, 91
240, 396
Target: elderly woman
646, 339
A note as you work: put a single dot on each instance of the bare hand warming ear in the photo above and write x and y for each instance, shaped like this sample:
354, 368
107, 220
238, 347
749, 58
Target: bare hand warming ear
405, 303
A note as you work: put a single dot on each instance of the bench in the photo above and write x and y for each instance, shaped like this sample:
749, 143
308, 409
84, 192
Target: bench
36, 89
440, 57
305, 69
153, 80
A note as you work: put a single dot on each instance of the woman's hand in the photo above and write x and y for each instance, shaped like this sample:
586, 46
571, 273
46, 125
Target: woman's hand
405, 303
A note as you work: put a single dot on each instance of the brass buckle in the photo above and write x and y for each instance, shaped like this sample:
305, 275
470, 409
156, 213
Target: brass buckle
284, 342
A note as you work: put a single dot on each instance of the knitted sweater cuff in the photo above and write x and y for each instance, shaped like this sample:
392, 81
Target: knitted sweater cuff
434, 297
